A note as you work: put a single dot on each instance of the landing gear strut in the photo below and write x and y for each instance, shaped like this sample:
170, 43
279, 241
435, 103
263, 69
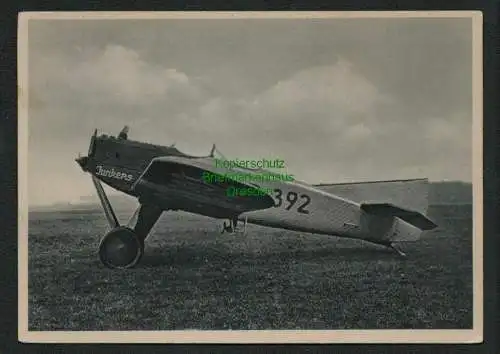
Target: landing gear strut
123, 246
232, 226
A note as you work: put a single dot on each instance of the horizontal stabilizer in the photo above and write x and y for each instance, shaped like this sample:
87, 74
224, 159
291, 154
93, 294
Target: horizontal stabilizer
410, 194
412, 217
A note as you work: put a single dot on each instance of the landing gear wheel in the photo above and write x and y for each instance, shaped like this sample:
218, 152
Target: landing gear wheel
121, 248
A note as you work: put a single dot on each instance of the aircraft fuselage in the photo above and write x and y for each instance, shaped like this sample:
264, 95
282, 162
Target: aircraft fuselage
298, 206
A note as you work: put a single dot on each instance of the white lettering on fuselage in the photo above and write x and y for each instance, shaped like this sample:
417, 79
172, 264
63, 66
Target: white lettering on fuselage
101, 171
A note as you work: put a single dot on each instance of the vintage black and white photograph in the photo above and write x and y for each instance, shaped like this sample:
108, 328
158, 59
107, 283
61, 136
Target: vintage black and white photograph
250, 177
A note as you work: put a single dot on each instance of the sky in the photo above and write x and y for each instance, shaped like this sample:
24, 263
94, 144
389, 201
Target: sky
339, 100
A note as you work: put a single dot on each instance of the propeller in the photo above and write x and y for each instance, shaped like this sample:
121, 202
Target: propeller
91, 146
124, 131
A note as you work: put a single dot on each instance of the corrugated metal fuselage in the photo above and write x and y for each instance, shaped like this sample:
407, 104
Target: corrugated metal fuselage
297, 206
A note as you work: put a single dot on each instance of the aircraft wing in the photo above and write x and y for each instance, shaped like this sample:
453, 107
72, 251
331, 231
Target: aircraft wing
180, 184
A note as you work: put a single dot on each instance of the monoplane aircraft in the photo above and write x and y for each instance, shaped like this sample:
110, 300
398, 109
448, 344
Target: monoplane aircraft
163, 178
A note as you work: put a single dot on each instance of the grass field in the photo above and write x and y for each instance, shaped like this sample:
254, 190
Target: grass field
192, 277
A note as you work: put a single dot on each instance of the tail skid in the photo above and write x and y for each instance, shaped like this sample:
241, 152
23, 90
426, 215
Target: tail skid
392, 246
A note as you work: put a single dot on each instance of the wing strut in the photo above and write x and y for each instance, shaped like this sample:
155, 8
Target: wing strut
106, 205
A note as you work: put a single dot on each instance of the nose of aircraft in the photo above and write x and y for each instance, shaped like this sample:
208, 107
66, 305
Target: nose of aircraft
82, 161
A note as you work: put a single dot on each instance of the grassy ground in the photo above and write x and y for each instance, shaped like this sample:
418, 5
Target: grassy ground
193, 277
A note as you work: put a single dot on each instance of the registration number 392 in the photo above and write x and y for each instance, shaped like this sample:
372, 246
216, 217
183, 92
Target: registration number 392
291, 199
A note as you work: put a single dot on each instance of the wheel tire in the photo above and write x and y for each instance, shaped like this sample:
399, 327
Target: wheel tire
121, 248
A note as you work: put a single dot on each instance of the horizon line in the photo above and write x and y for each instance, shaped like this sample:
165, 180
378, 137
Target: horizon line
325, 184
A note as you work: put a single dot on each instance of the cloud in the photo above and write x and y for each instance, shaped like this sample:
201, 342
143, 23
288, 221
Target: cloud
120, 75
72, 95
328, 122
318, 111
332, 123
321, 99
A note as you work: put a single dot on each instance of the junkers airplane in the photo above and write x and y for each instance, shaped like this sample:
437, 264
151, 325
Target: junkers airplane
163, 178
